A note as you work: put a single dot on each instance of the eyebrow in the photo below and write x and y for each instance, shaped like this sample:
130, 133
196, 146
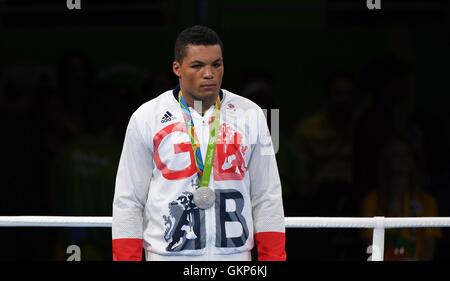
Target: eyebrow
201, 62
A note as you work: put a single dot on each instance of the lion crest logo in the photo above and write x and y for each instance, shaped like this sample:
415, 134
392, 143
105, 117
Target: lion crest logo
183, 227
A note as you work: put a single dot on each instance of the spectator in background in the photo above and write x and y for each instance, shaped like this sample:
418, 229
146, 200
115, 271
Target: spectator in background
28, 141
430, 142
82, 172
400, 193
76, 86
324, 145
81, 179
157, 82
324, 141
258, 87
387, 81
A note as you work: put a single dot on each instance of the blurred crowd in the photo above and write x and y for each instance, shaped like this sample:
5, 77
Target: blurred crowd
366, 152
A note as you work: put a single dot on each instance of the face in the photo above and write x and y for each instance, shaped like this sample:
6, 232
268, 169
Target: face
200, 73
401, 158
341, 94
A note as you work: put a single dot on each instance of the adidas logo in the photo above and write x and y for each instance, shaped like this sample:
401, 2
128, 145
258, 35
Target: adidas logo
168, 117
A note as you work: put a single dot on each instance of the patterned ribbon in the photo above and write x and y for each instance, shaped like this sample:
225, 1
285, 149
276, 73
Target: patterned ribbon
203, 170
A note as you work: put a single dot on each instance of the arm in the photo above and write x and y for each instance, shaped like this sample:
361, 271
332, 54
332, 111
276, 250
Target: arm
267, 205
132, 183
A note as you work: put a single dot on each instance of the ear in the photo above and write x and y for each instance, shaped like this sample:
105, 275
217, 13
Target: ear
176, 68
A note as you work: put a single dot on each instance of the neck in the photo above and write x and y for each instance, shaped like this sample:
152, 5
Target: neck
201, 106
401, 184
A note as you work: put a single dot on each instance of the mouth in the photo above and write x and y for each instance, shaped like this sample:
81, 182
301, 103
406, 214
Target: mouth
208, 86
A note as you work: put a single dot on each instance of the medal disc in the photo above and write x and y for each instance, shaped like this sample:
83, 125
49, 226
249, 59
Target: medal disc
204, 197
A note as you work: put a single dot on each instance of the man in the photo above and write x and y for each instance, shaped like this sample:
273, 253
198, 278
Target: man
324, 141
197, 178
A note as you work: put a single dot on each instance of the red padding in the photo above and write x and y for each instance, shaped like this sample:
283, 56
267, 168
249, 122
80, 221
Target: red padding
127, 249
271, 246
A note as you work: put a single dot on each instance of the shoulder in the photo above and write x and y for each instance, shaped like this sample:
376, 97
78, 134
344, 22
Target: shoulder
312, 125
232, 100
239, 106
371, 197
427, 199
369, 204
147, 117
165, 99
151, 109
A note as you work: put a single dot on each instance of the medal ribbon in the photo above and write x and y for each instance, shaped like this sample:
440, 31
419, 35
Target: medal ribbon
203, 170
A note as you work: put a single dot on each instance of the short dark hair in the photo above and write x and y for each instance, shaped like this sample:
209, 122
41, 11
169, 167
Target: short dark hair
195, 35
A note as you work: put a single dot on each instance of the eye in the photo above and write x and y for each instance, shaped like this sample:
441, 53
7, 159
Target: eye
217, 64
196, 66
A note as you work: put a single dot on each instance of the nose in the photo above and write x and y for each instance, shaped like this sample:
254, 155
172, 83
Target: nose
208, 74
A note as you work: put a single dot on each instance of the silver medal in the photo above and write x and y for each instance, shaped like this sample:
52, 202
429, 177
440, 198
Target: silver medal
204, 197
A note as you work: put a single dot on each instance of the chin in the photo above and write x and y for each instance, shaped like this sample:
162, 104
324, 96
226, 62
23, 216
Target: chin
202, 94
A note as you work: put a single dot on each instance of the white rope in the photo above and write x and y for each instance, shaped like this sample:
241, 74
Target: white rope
366, 222
328, 222
378, 224
54, 221
417, 222
291, 222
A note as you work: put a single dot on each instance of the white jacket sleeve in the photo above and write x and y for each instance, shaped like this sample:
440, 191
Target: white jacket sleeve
131, 190
265, 188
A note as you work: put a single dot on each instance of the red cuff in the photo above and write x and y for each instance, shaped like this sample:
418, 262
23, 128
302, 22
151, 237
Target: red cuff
127, 249
271, 246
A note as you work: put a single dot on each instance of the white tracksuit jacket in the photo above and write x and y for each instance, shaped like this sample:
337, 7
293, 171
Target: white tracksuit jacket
153, 207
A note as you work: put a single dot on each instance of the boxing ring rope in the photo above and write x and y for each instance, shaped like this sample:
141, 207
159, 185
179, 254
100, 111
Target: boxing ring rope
378, 224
